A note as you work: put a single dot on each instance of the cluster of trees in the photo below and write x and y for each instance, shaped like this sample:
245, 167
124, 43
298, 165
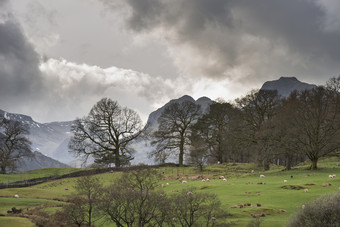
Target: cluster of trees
260, 127
136, 199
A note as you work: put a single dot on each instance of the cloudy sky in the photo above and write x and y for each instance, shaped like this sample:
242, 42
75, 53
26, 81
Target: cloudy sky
58, 58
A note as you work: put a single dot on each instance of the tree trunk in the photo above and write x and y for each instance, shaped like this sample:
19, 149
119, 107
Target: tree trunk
288, 163
314, 166
266, 164
180, 158
3, 170
181, 151
117, 159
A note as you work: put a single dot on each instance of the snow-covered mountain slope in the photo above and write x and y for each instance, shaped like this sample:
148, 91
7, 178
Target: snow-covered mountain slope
46, 138
285, 85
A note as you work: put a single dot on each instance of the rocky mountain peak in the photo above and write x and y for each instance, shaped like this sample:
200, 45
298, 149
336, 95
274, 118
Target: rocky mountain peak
285, 85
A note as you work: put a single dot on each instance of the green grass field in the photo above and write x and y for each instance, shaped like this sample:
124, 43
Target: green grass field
38, 173
241, 187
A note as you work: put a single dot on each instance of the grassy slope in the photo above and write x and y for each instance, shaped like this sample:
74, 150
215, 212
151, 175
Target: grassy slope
15, 222
38, 173
241, 187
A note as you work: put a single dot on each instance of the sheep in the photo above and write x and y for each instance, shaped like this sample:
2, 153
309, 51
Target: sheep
208, 179
16, 196
167, 183
258, 215
224, 179
252, 171
262, 176
334, 175
306, 190
184, 182
303, 206
285, 181
330, 176
189, 193
203, 180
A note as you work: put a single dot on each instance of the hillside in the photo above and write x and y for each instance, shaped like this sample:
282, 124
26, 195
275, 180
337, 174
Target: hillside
278, 193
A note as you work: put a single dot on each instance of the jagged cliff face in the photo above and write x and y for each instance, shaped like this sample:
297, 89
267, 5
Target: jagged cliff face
285, 85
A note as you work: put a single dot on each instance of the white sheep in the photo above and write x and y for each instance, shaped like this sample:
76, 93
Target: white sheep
184, 182
16, 196
330, 176
262, 176
252, 171
167, 183
224, 179
334, 175
306, 190
285, 181
203, 180
303, 206
208, 179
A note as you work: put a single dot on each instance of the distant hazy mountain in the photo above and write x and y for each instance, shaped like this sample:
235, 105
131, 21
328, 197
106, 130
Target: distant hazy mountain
39, 161
285, 85
46, 138
204, 102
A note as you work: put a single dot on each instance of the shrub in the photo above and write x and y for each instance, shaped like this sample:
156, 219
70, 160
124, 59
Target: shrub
324, 211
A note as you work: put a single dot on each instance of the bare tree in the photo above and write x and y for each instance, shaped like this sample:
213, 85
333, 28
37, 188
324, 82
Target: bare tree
192, 208
87, 189
14, 144
258, 107
106, 132
216, 129
174, 128
131, 200
283, 133
318, 123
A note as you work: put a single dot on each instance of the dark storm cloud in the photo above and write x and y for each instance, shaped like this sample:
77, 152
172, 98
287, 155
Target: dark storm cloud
19, 72
259, 38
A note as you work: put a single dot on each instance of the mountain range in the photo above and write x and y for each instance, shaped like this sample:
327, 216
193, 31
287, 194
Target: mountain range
50, 140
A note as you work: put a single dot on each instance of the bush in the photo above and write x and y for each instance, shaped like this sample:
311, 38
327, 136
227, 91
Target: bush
325, 211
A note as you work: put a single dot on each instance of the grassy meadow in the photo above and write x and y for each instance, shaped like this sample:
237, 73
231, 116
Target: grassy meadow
38, 173
278, 199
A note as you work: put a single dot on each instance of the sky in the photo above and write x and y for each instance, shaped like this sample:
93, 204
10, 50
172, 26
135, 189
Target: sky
58, 58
